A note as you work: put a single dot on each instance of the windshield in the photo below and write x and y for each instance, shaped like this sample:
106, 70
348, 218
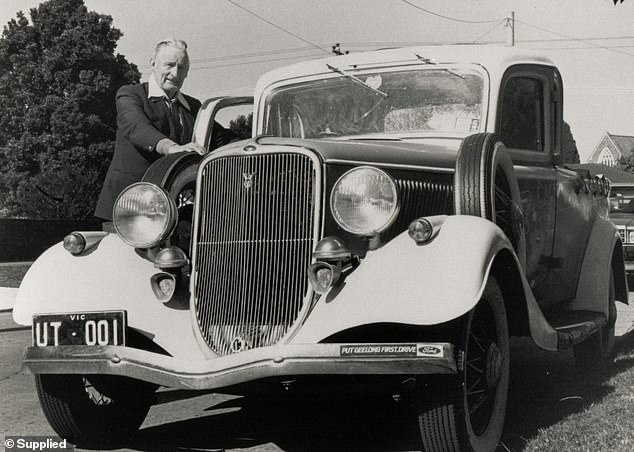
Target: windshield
404, 102
622, 200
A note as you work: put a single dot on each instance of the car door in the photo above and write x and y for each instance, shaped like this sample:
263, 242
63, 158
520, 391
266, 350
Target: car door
526, 122
222, 120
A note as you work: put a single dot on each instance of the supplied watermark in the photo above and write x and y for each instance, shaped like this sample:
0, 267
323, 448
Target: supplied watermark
37, 443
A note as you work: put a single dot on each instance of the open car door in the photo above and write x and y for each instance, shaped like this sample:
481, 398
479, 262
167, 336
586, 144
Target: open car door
222, 120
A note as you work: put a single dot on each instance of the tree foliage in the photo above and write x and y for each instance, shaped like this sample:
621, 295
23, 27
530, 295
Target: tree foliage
569, 149
58, 78
626, 163
241, 126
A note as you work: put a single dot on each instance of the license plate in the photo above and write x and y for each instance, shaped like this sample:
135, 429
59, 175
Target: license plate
82, 328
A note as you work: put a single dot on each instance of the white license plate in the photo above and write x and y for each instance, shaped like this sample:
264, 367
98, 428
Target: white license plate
81, 328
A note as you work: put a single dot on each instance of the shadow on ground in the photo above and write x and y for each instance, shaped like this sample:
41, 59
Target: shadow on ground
291, 425
545, 389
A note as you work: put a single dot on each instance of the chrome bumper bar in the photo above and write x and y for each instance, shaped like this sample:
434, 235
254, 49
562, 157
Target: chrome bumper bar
223, 371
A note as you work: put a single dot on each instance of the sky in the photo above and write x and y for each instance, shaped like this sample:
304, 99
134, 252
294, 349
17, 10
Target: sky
233, 42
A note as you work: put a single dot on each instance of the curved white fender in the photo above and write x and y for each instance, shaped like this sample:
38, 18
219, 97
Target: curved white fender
110, 276
421, 285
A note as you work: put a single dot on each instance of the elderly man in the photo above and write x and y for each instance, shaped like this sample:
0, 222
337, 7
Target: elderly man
153, 119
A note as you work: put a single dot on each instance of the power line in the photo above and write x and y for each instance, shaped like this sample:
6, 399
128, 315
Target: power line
252, 62
574, 39
450, 18
490, 30
278, 27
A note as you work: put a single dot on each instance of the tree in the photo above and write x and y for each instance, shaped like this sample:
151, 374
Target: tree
569, 146
626, 163
58, 79
241, 126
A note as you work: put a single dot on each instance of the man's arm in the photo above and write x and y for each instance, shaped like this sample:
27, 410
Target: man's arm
134, 123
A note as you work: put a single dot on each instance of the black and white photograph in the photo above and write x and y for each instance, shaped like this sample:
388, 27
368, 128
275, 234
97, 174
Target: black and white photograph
291, 225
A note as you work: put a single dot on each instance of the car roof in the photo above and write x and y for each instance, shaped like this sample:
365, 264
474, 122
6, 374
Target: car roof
494, 58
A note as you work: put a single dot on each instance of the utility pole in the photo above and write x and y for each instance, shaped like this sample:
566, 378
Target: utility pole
510, 24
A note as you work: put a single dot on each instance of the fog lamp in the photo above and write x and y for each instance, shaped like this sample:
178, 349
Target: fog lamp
163, 286
322, 276
331, 249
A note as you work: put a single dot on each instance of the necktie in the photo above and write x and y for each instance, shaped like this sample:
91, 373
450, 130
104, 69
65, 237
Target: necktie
175, 121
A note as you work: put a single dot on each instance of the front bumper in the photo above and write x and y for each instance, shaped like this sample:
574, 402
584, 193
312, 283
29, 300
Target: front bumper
251, 365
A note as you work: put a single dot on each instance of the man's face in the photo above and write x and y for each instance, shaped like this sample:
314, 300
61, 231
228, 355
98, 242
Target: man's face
170, 68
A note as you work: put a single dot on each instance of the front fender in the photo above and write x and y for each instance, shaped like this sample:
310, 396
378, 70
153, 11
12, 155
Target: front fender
110, 276
422, 285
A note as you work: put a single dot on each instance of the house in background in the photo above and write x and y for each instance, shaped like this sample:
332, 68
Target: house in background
611, 148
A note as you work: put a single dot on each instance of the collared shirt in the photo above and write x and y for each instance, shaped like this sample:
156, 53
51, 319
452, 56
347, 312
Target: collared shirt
154, 91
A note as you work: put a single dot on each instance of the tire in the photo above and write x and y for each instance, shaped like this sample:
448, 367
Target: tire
176, 173
94, 410
485, 186
596, 352
467, 414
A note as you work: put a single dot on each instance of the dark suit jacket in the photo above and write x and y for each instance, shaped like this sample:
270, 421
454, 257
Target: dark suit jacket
141, 124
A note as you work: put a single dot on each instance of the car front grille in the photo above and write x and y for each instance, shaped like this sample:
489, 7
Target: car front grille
256, 232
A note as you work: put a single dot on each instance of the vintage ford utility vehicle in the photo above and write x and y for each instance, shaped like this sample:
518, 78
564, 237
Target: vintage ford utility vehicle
399, 214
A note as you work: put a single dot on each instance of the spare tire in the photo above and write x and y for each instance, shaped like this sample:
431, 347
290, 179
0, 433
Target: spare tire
485, 186
176, 173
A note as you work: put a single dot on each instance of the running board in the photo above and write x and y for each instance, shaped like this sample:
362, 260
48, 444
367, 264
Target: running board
575, 326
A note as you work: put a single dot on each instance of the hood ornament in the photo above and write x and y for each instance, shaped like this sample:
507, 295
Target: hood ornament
248, 180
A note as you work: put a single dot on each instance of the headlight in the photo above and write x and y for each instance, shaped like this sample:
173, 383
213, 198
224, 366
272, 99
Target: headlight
144, 215
364, 201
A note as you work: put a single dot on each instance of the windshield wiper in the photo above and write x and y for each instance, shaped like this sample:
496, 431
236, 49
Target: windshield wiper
424, 60
357, 80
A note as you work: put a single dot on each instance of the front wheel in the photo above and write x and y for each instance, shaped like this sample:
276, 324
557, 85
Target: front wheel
94, 410
468, 414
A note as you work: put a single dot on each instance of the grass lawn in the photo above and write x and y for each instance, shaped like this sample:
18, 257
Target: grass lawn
552, 407
11, 274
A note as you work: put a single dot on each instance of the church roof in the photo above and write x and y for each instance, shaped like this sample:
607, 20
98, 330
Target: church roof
624, 143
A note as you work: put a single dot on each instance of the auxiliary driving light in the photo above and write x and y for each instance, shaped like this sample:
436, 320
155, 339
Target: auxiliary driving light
332, 256
170, 257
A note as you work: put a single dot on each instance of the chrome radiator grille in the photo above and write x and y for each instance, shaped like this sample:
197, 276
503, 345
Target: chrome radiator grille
256, 232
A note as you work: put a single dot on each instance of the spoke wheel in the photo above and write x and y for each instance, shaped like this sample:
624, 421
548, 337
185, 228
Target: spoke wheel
94, 410
468, 414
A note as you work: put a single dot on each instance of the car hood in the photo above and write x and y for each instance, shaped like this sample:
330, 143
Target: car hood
432, 153
622, 219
